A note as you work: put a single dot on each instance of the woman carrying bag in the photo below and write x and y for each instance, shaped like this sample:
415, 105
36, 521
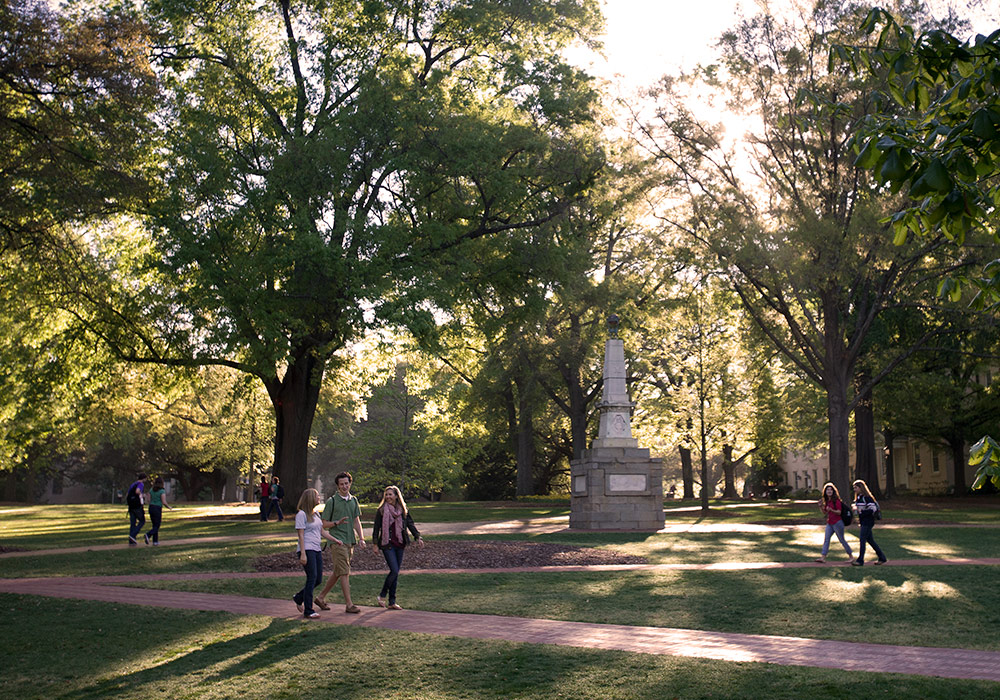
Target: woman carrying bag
868, 512
832, 506
392, 521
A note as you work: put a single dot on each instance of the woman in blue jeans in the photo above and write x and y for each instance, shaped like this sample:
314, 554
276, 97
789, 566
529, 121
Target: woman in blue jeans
392, 521
309, 528
866, 506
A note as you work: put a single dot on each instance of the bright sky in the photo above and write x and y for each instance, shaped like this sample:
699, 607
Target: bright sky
647, 38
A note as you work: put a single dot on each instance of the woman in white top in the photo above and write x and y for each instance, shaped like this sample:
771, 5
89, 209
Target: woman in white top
309, 528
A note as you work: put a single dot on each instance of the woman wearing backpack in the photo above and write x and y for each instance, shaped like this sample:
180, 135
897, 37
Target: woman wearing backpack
831, 506
868, 512
157, 500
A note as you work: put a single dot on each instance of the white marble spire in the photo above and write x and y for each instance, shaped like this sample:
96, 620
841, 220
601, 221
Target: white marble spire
615, 429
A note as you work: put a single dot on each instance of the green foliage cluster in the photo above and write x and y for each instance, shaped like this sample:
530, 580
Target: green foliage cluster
937, 133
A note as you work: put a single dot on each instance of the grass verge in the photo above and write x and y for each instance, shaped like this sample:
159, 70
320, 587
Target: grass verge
147, 653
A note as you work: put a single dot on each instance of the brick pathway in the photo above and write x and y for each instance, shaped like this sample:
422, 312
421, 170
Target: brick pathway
789, 651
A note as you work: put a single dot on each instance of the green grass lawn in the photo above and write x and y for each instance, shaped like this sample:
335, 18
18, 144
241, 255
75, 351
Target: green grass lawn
75, 650
939, 606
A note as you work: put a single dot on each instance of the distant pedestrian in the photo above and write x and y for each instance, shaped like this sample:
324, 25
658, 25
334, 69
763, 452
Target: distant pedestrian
830, 504
265, 501
157, 500
342, 515
309, 530
275, 493
868, 511
134, 501
390, 534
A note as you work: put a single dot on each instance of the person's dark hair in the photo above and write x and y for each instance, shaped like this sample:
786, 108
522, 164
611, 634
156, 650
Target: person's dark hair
275, 480
158, 484
343, 475
263, 479
142, 476
836, 493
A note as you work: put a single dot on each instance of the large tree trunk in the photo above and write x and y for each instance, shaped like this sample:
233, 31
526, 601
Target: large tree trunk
866, 465
729, 470
957, 446
577, 414
687, 472
839, 429
294, 400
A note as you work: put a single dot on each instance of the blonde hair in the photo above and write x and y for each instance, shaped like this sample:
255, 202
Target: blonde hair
399, 499
308, 502
865, 489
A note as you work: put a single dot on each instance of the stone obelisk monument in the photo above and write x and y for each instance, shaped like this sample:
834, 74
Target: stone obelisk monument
616, 485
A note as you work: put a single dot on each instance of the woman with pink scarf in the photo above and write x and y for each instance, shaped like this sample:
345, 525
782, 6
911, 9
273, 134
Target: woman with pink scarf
392, 520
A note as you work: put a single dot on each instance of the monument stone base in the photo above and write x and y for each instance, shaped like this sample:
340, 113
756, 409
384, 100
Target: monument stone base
616, 488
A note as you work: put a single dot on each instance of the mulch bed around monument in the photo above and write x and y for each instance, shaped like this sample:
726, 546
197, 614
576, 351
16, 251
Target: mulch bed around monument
471, 554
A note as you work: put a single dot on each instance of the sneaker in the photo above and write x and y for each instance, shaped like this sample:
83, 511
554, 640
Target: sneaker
312, 616
393, 606
156, 544
857, 563
146, 537
380, 600
352, 609
821, 560
132, 542
881, 561
298, 605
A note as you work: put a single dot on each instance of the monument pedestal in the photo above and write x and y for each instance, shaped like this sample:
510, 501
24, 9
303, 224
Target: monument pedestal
616, 488
616, 485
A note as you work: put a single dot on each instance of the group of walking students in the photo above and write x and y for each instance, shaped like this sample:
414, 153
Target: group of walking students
340, 523
838, 514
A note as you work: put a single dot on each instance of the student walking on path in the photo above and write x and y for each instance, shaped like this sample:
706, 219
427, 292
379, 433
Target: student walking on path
309, 529
342, 515
265, 501
136, 516
391, 534
868, 512
831, 506
157, 500
275, 494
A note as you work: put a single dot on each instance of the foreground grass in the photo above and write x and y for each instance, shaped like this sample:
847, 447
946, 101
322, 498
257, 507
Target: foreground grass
943, 606
155, 653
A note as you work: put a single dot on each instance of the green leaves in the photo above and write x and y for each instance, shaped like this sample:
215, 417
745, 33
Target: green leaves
933, 178
943, 137
986, 455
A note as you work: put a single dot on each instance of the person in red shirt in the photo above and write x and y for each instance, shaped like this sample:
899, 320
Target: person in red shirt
265, 491
830, 505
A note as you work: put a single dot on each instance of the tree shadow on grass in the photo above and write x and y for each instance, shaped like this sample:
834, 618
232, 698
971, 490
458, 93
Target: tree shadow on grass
215, 664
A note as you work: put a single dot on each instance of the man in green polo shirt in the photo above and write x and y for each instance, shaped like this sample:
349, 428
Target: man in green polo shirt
342, 515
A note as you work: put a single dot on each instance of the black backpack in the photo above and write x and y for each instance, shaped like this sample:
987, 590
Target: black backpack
845, 513
133, 499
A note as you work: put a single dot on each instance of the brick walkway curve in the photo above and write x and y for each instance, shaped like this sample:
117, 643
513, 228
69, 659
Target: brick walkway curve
789, 651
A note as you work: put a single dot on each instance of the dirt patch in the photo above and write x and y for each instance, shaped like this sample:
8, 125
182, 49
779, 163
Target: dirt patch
6, 548
445, 554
